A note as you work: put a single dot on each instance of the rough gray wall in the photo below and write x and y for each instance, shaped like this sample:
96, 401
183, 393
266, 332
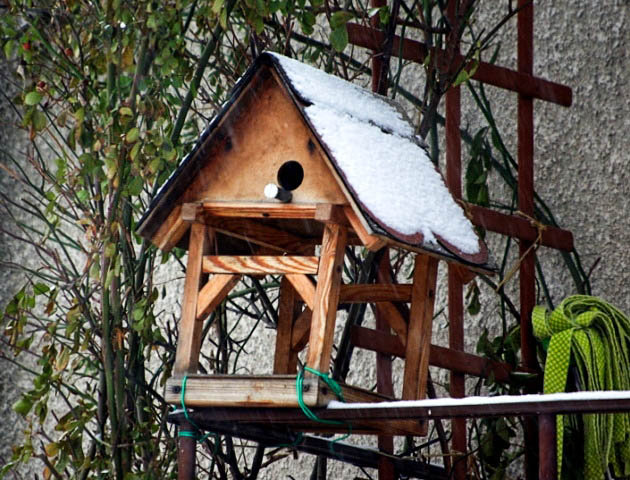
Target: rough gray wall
581, 152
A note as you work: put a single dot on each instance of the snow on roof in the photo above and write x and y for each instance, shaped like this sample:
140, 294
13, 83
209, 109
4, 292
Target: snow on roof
383, 163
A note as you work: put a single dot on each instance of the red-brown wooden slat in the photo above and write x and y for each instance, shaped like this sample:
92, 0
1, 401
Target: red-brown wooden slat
457, 384
487, 73
519, 227
439, 356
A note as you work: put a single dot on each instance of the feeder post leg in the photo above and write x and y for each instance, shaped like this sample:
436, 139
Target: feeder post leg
384, 384
287, 313
419, 330
189, 340
186, 453
326, 297
547, 446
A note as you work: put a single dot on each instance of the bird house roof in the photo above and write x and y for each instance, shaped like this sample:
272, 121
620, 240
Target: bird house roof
372, 152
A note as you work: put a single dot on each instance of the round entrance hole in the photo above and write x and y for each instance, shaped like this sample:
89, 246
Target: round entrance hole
290, 175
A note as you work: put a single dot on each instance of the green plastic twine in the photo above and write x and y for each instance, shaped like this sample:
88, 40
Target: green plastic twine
336, 389
187, 433
594, 336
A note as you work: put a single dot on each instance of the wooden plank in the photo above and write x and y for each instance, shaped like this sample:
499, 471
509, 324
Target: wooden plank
301, 330
326, 297
189, 340
170, 231
305, 287
260, 210
375, 292
394, 318
329, 213
371, 242
442, 357
258, 234
213, 293
501, 77
519, 227
246, 391
287, 313
261, 391
260, 264
419, 331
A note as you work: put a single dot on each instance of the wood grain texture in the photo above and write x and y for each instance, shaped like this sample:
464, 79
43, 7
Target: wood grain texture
260, 264
214, 292
417, 349
287, 313
442, 357
260, 210
170, 231
263, 391
244, 157
305, 287
371, 242
326, 297
238, 390
301, 330
258, 234
374, 292
394, 318
189, 340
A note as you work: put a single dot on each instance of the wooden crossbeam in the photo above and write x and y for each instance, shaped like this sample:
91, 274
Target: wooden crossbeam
258, 234
371, 242
375, 292
213, 293
502, 77
170, 231
519, 227
260, 264
442, 357
259, 210
305, 287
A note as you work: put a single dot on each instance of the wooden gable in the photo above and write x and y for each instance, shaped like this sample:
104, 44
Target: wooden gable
261, 131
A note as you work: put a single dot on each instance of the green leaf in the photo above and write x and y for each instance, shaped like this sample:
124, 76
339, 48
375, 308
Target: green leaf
135, 186
23, 405
339, 19
9, 49
40, 288
339, 38
32, 98
132, 135
39, 121
217, 5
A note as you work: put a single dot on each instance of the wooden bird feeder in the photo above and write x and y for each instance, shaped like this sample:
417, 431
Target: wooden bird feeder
298, 159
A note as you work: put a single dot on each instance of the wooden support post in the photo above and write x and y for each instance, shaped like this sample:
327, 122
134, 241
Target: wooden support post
525, 61
547, 447
419, 330
186, 452
326, 297
384, 384
189, 340
285, 359
455, 291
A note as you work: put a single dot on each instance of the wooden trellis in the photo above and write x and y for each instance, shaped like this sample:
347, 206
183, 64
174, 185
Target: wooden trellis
528, 88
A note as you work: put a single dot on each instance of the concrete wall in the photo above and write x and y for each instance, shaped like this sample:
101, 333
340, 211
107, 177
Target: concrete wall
582, 152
